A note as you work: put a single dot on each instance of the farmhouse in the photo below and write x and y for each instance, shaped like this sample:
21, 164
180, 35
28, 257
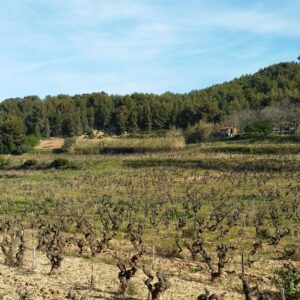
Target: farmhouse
228, 132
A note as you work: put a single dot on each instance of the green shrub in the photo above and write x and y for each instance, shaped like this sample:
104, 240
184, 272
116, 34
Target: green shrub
30, 163
167, 248
69, 144
289, 279
259, 129
3, 162
62, 163
296, 255
17, 143
20, 149
264, 233
31, 140
90, 133
202, 132
12, 136
188, 232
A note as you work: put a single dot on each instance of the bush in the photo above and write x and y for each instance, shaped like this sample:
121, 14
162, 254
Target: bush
3, 162
59, 163
20, 149
27, 144
12, 136
30, 163
62, 163
188, 232
167, 248
289, 279
90, 133
259, 129
264, 234
69, 144
31, 140
202, 132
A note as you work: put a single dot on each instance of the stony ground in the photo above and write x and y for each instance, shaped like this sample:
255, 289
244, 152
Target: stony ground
188, 278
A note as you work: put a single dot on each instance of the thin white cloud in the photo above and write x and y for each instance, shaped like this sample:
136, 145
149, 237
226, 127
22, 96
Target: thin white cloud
262, 23
126, 45
254, 18
93, 12
140, 43
99, 10
25, 68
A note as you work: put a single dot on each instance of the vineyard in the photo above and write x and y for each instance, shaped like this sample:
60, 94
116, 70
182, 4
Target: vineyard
200, 222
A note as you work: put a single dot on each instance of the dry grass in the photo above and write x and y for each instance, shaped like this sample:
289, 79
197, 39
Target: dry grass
130, 145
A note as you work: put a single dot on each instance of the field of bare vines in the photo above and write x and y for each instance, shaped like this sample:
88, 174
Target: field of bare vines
176, 225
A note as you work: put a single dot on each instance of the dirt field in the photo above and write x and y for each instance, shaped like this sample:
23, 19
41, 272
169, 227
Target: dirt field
50, 144
75, 275
188, 278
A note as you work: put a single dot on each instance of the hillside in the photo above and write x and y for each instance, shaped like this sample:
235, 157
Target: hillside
268, 85
72, 115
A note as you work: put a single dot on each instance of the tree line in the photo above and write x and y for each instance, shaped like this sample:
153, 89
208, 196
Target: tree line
65, 115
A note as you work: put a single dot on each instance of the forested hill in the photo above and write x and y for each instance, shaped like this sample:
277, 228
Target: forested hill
72, 115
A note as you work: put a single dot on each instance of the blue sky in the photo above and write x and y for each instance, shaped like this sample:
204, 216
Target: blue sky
124, 46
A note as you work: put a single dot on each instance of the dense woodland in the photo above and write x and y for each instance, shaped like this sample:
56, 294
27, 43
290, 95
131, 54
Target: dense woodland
65, 115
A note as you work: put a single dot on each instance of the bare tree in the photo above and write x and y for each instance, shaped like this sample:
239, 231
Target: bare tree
156, 289
126, 274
